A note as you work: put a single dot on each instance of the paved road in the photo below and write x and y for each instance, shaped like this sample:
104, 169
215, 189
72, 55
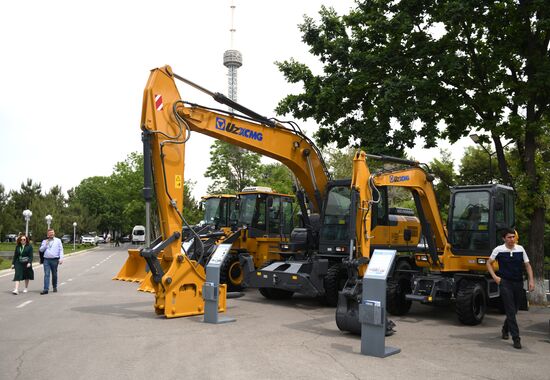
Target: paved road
98, 328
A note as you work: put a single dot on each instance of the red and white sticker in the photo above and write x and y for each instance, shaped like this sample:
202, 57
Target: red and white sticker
158, 102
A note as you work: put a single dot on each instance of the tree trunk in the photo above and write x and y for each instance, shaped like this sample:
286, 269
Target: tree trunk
535, 251
501, 160
536, 228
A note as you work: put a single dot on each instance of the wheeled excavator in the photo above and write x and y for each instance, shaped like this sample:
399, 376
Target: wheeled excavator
166, 124
451, 265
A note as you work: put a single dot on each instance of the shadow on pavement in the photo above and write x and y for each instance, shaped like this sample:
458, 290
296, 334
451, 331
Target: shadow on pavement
132, 310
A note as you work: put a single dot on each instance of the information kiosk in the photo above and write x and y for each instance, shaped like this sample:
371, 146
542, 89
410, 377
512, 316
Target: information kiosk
211, 288
372, 310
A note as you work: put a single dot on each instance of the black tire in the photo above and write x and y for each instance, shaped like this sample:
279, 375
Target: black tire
231, 273
276, 294
471, 303
398, 286
272, 293
334, 281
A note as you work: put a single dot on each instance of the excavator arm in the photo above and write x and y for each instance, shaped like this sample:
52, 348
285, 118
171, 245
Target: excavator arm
255, 133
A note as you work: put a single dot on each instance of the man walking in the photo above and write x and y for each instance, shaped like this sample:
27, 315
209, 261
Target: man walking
53, 255
510, 257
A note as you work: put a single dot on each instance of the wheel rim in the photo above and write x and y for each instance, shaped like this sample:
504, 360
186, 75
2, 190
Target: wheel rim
235, 273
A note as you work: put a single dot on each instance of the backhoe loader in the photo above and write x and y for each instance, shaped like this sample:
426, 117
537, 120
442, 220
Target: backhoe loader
451, 265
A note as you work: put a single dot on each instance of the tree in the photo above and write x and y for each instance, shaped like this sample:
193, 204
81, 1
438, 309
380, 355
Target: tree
231, 168
339, 162
396, 70
191, 211
445, 177
276, 176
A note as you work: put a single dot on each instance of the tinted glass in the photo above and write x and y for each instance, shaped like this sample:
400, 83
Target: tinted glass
470, 221
336, 216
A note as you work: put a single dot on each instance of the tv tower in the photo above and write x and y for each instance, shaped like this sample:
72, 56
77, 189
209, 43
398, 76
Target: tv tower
232, 59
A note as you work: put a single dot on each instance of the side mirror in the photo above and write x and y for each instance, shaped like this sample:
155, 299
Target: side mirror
407, 235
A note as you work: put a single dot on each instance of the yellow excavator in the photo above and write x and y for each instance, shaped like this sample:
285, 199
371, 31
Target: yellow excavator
177, 278
166, 124
450, 265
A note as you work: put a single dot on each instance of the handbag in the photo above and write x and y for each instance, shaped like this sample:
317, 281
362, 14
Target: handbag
24, 260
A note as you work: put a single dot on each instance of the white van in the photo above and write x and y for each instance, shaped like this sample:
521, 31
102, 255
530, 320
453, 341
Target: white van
138, 235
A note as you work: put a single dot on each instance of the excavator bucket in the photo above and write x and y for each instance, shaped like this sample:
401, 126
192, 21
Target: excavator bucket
180, 294
134, 269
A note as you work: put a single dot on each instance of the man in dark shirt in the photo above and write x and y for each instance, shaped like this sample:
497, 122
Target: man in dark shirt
510, 257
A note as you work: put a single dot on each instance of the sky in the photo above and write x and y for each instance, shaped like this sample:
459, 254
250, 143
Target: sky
72, 76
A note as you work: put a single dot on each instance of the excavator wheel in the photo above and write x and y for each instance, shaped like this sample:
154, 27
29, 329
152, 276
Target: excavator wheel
334, 281
398, 286
471, 302
231, 273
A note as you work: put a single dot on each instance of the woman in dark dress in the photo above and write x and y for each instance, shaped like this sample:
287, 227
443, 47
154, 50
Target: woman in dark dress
22, 262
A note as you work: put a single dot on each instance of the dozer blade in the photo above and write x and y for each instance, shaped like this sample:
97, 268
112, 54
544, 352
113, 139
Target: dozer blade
134, 269
180, 293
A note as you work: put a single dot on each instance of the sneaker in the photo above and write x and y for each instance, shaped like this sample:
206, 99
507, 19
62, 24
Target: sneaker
25, 290
517, 343
44, 292
15, 291
55, 290
505, 335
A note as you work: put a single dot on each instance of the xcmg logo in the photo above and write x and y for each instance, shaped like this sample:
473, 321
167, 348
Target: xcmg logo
223, 125
399, 178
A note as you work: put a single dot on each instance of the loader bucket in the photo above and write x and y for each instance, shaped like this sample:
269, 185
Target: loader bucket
147, 284
134, 269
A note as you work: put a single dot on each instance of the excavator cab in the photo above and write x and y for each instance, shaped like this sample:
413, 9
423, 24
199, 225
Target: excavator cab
477, 215
334, 235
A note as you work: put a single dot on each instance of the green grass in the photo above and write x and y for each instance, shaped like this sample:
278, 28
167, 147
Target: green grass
5, 263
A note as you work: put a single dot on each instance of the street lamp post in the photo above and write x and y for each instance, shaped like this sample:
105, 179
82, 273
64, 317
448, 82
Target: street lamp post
74, 236
27, 214
48, 220
475, 138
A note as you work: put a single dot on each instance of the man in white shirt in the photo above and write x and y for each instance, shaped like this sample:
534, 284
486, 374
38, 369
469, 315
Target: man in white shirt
52, 248
510, 257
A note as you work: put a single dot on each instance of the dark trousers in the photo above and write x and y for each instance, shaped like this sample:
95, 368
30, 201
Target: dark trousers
510, 293
50, 265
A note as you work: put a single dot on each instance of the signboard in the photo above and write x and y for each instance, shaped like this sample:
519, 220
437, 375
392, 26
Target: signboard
380, 264
219, 254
